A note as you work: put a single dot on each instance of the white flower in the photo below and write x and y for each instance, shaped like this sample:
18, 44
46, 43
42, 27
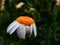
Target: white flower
22, 29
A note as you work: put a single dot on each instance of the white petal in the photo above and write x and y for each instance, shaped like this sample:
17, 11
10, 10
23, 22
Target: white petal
30, 30
27, 29
35, 30
12, 27
21, 32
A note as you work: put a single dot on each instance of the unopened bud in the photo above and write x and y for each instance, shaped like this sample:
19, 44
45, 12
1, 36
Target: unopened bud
32, 9
58, 2
2, 5
19, 5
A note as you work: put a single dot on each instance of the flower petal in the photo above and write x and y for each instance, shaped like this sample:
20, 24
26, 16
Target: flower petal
27, 29
21, 32
35, 30
12, 27
30, 30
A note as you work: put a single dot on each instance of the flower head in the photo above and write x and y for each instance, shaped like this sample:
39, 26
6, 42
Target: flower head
25, 20
23, 25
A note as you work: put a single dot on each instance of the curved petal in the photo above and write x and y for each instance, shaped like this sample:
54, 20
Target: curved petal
27, 29
21, 32
30, 30
12, 27
35, 30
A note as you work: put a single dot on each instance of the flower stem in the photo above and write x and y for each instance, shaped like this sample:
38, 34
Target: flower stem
48, 35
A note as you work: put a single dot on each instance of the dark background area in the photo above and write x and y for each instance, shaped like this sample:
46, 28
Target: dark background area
46, 15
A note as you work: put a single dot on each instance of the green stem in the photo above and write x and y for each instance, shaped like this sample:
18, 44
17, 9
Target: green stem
48, 35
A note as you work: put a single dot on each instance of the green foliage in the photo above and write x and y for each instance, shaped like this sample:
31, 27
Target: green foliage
43, 11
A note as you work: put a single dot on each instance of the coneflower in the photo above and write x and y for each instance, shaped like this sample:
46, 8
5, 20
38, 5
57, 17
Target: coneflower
23, 25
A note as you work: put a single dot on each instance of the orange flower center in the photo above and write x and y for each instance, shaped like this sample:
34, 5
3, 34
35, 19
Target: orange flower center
25, 20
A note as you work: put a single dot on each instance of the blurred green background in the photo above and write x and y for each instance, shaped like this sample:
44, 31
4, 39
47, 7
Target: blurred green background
44, 12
